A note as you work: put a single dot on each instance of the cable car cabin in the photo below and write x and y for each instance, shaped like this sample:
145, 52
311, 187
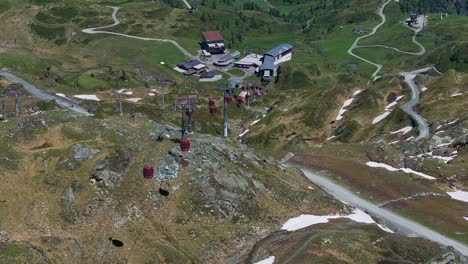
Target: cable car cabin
185, 145
228, 99
212, 110
148, 172
248, 96
211, 102
240, 100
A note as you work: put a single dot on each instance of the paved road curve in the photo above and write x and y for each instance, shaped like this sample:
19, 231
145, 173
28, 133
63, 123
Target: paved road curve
43, 95
408, 107
397, 222
96, 30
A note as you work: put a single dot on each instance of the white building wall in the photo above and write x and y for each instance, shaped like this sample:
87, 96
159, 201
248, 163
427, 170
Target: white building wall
283, 58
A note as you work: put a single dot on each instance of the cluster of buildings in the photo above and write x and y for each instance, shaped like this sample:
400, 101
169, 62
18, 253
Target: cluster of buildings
214, 52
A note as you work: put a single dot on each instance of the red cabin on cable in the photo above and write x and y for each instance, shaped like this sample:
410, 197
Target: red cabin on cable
213, 110
228, 99
185, 145
211, 102
148, 172
247, 95
212, 106
240, 100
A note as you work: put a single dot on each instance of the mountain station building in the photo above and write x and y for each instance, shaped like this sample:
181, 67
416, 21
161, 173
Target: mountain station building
212, 42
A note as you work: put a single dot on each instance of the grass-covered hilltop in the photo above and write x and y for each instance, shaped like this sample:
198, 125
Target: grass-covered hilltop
347, 137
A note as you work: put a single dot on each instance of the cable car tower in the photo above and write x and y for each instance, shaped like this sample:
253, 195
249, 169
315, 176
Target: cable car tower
227, 99
187, 105
150, 78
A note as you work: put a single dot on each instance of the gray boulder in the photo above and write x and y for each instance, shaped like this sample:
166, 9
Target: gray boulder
81, 152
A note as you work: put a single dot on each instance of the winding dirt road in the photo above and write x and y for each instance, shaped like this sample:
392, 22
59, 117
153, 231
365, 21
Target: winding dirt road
380, 12
97, 30
374, 30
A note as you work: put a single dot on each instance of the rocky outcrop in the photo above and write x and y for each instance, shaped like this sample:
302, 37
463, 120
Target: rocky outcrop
81, 152
69, 210
108, 172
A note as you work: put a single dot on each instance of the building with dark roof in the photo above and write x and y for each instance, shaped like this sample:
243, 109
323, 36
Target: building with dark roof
191, 67
279, 50
267, 69
272, 58
213, 42
227, 59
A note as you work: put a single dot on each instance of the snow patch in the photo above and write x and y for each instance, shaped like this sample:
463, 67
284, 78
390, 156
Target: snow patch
134, 99
430, 154
408, 170
466, 218
91, 97
303, 221
391, 105
410, 138
380, 117
445, 159
404, 130
330, 138
61, 95
459, 195
457, 94
424, 89
255, 121
151, 94
357, 92
405, 170
394, 142
453, 122
360, 217
380, 165
346, 104
343, 110
384, 228
243, 133
445, 144
269, 260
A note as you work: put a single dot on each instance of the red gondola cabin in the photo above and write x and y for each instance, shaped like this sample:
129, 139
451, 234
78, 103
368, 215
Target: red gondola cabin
228, 99
185, 145
211, 102
148, 172
212, 110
